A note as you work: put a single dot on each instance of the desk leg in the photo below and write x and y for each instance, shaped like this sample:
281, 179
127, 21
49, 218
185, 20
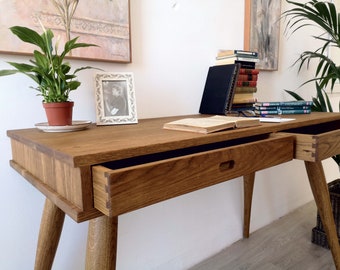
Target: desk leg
321, 196
102, 243
50, 230
248, 187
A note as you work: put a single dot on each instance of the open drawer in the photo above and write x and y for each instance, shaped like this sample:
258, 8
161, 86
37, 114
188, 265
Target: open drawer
316, 143
120, 190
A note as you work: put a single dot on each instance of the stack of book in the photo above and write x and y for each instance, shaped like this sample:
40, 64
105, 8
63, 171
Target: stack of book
245, 90
247, 59
246, 81
283, 107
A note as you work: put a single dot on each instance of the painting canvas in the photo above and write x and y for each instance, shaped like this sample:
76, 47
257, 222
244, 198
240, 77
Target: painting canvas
102, 22
262, 31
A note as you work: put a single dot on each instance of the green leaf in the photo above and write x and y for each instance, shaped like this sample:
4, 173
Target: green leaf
83, 68
72, 44
48, 69
47, 37
22, 67
294, 95
6, 72
28, 35
41, 60
324, 16
73, 85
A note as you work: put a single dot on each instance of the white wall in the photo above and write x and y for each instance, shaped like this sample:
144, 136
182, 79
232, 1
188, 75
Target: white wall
172, 50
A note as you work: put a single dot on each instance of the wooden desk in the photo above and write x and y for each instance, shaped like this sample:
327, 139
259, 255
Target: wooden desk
102, 172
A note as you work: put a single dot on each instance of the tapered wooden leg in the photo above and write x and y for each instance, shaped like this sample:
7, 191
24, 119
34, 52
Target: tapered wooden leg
248, 187
102, 244
50, 230
321, 195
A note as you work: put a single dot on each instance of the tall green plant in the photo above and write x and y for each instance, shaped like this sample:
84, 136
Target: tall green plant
324, 16
48, 68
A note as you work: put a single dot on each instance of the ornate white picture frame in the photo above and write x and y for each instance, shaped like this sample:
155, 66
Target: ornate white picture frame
115, 99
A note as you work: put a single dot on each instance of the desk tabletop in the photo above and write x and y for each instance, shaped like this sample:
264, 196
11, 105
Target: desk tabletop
99, 144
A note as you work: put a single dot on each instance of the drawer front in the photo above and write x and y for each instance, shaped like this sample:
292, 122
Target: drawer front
316, 147
123, 190
67, 187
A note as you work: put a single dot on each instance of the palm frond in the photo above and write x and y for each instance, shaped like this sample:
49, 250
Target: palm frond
323, 15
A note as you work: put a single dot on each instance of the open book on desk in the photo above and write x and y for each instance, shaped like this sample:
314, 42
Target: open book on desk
211, 124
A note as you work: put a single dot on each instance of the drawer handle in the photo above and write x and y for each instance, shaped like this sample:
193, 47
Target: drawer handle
227, 165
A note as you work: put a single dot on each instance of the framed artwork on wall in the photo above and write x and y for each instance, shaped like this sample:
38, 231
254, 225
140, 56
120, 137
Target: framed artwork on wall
115, 99
105, 23
262, 31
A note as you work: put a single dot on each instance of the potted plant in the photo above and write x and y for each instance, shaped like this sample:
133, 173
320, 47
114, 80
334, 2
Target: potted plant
324, 16
50, 72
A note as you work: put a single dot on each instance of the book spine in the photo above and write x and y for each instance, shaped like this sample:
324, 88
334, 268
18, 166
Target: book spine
297, 103
277, 112
245, 89
250, 53
262, 112
244, 100
294, 111
245, 64
249, 71
247, 77
238, 58
246, 104
246, 83
269, 108
295, 107
237, 52
230, 97
285, 103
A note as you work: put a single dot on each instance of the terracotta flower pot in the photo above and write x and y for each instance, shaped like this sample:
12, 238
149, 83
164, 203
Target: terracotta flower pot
59, 113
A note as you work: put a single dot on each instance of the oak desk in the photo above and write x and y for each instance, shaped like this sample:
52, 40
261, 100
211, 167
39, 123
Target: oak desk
102, 172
